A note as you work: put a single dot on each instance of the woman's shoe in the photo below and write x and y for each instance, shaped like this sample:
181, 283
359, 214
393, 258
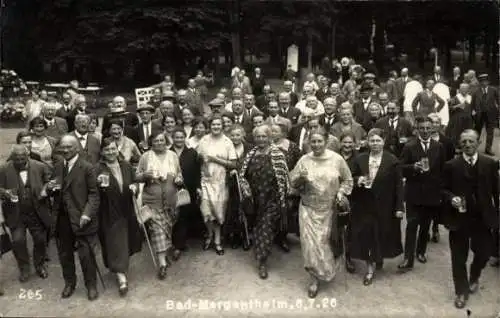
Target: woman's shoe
368, 279
174, 254
162, 272
123, 289
263, 271
207, 244
219, 250
313, 290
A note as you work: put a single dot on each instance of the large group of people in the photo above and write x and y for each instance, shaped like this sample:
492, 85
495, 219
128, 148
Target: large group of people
339, 163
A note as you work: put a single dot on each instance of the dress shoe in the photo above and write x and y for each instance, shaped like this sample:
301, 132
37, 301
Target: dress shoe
460, 301
349, 266
24, 276
473, 287
219, 250
68, 290
422, 258
123, 289
368, 279
263, 271
495, 262
283, 244
92, 293
405, 266
312, 291
42, 272
379, 265
435, 237
162, 272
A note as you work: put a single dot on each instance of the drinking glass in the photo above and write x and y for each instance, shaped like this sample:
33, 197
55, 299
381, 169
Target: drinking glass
104, 180
14, 198
367, 182
425, 164
462, 207
56, 185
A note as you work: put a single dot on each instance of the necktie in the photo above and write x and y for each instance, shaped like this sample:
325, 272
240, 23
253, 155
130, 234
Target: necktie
470, 161
484, 91
393, 124
249, 113
426, 146
66, 170
146, 133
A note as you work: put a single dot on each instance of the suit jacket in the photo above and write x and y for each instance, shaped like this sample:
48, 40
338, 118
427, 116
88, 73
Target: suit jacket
282, 121
487, 104
400, 85
257, 84
62, 113
194, 100
190, 163
79, 195
71, 118
423, 189
403, 129
455, 85
91, 152
448, 147
323, 121
294, 98
441, 79
59, 128
321, 94
291, 114
138, 135
457, 182
247, 121
360, 113
38, 175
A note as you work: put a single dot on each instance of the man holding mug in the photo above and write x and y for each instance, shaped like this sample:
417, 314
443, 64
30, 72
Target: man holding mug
472, 177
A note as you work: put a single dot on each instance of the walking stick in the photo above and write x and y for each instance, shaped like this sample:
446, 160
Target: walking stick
242, 213
143, 227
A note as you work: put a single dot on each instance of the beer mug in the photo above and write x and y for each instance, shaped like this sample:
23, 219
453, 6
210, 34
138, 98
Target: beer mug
462, 207
56, 185
367, 182
104, 179
425, 164
14, 198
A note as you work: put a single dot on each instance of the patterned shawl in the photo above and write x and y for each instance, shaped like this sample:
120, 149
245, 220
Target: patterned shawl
280, 168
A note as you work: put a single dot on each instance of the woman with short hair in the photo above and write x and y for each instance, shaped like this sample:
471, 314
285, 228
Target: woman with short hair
41, 144
200, 128
128, 150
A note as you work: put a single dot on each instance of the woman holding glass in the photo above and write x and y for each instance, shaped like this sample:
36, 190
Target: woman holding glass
377, 206
119, 232
127, 149
322, 178
160, 170
41, 144
200, 128
218, 156
264, 173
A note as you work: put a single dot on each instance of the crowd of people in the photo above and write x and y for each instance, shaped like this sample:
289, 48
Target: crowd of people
339, 164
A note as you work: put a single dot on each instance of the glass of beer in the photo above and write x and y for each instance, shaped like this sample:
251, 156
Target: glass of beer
462, 207
55, 185
104, 179
14, 198
367, 182
425, 164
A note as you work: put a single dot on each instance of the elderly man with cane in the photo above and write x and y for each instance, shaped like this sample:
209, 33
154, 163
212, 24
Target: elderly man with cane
76, 200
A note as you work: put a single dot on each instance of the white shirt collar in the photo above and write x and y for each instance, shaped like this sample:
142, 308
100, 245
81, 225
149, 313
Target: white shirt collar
71, 162
78, 135
50, 121
468, 158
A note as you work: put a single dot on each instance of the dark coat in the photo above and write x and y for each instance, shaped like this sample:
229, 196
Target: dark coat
92, 149
403, 129
38, 175
117, 220
457, 182
79, 195
487, 105
59, 128
373, 210
423, 189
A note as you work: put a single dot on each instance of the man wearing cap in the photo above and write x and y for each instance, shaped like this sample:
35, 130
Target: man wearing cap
485, 110
361, 106
146, 128
217, 105
117, 110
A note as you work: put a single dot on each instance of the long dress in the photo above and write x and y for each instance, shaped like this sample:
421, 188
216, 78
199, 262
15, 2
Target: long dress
214, 189
460, 117
119, 232
326, 176
161, 196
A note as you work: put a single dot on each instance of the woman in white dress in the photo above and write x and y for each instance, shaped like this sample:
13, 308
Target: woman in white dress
200, 127
219, 156
322, 177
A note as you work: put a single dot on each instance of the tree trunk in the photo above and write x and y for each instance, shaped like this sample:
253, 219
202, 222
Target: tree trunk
487, 49
334, 36
234, 15
447, 52
472, 49
378, 43
309, 49
421, 57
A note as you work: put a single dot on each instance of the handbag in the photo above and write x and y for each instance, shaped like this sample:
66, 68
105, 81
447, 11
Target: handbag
183, 198
5, 241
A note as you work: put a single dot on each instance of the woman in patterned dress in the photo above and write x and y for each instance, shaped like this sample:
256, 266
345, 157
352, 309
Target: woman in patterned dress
264, 173
322, 177
160, 170
218, 156
292, 154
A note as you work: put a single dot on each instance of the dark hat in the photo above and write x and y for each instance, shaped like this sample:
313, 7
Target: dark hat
365, 88
483, 77
117, 111
216, 102
369, 76
142, 107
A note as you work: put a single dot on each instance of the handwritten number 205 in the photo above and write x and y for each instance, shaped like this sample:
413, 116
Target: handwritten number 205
30, 294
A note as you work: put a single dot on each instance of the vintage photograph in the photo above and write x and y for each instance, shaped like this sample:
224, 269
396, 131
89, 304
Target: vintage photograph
247, 158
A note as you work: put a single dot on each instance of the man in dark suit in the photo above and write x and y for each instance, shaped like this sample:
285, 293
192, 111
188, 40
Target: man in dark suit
324, 90
22, 183
398, 130
241, 117
288, 88
437, 77
330, 116
471, 186
287, 109
56, 127
88, 145
422, 190
66, 109
400, 86
263, 100
361, 106
248, 112
80, 108
257, 81
76, 201
193, 97
117, 109
146, 128
485, 111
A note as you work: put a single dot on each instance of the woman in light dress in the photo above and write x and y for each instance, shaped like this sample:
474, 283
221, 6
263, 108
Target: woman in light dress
41, 144
160, 170
218, 156
322, 177
200, 128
